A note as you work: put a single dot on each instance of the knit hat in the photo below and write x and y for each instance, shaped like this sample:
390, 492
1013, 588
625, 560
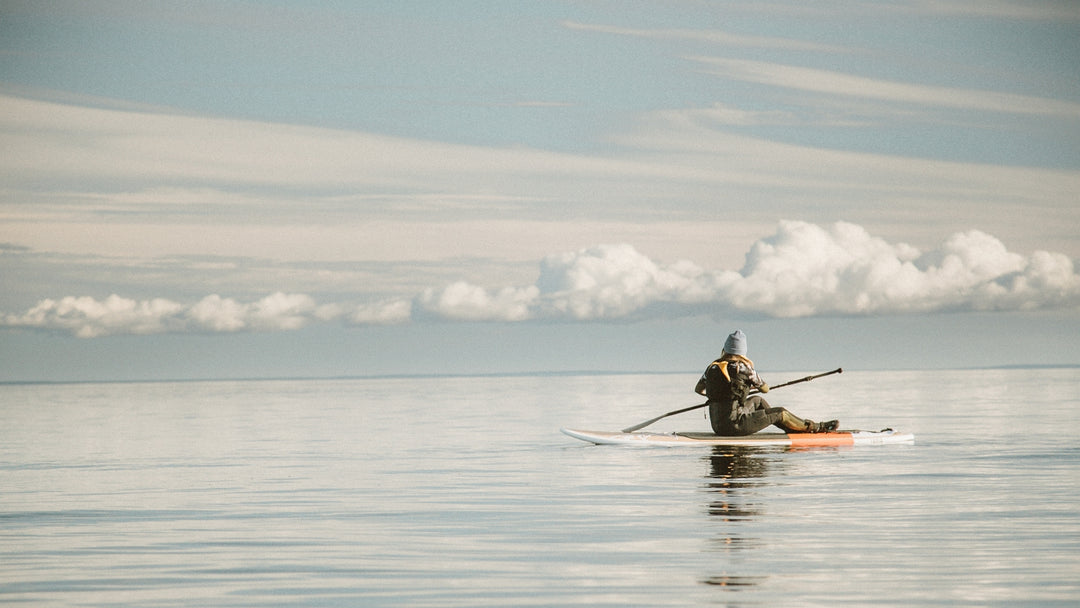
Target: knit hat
736, 343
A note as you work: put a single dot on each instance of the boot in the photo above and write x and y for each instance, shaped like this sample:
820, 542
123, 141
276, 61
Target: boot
822, 427
828, 427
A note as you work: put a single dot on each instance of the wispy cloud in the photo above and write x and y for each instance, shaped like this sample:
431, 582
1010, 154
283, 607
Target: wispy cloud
542, 104
721, 115
93, 144
1059, 10
841, 84
1049, 10
115, 182
712, 36
802, 270
131, 150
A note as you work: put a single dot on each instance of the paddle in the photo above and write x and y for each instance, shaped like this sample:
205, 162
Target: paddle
631, 429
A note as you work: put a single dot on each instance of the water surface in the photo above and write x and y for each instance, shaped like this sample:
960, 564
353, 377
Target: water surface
462, 492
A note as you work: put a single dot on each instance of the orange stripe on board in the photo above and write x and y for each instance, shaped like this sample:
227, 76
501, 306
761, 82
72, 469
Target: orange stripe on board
822, 439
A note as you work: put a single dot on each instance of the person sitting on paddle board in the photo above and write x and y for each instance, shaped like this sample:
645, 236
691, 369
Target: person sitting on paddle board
732, 410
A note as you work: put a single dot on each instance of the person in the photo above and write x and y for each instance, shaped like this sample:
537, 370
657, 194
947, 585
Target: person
733, 411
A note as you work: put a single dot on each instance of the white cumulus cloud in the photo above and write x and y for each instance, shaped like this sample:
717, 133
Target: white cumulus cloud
806, 270
278, 311
387, 312
616, 281
87, 317
802, 270
461, 301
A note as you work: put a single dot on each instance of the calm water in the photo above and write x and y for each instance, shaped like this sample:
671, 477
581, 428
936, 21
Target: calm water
462, 492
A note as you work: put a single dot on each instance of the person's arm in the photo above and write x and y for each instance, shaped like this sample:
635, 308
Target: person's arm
700, 388
756, 381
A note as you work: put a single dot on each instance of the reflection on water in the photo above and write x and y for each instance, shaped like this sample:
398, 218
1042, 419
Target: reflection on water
734, 583
733, 474
732, 470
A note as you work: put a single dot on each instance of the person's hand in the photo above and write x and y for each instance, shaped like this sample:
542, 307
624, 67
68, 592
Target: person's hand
764, 387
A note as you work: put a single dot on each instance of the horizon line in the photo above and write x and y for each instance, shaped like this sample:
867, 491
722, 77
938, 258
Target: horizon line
517, 374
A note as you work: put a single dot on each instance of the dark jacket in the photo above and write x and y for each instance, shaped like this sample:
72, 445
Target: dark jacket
727, 382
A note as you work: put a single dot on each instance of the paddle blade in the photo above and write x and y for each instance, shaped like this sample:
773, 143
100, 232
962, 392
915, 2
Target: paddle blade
637, 427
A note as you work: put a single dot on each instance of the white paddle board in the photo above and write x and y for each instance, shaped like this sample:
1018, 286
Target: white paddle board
837, 438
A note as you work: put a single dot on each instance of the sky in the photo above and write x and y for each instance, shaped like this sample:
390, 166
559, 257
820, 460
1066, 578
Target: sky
238, 189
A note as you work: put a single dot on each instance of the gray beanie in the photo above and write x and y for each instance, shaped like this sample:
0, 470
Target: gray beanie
736, 343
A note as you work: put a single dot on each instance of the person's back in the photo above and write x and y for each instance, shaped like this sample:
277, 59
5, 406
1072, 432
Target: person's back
727, 383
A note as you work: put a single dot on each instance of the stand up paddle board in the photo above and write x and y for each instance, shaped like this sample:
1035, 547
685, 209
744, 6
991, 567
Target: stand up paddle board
838, 438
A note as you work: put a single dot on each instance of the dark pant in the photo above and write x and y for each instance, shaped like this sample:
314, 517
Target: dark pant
761, 417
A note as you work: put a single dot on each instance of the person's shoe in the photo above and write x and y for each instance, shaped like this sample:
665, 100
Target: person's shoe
828, 427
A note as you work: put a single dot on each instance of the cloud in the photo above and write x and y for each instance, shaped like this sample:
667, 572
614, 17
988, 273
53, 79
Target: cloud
617, 281
86, 317
279, 311
1058, 10
802, 270
722, 114
840, 84
807, 270
461, 301
593, 284
1049, 10
158, 150
111, 181
388, 312
712, 36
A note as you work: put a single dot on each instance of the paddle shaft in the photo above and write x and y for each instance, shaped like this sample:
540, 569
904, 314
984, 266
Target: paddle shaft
838, 370
636, 427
